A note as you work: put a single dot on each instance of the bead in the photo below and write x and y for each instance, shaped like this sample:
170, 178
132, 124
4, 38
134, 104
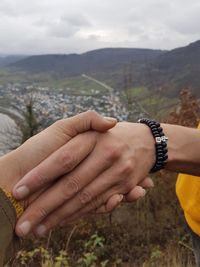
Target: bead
165, 157
156, 133
151, 123
154, 128
160, 145
159, 166
165, 150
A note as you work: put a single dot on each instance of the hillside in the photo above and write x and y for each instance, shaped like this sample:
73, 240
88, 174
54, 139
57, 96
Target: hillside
7, 60
179, 68
93, 61
166, 71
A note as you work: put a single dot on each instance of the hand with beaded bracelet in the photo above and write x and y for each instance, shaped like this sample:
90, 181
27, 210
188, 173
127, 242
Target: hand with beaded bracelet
120, 160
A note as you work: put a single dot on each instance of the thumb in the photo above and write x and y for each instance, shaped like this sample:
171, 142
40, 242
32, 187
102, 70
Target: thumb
89, 120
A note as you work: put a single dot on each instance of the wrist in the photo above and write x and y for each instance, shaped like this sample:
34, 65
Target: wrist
140, 138
183, 149
160, 143
175, 151
149, 143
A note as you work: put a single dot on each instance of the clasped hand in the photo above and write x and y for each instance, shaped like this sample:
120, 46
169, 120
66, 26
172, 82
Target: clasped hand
81, 165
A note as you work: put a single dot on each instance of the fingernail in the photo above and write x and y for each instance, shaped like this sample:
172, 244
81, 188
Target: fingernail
41, 230
21, 192
143, 192
110, 119
121, 197
151, 184
25, 228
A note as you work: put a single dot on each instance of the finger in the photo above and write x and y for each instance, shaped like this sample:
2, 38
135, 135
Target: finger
93, 194
135, 194
89, 120
52, 138
112, 203
58, 163
139, 191
147, 183
89, 208
63, 190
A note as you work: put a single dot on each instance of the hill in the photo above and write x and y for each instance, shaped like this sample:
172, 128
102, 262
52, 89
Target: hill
179, 68
166, 71
7, 60
93, 61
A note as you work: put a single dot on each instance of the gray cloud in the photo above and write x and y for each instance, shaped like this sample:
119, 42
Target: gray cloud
67, 25
48, 26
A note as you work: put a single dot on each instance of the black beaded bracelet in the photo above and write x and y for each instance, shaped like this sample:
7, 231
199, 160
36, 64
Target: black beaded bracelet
160, 144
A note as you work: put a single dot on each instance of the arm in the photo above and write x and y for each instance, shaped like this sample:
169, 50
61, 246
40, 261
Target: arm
9, 242
183, 149
16, 164
120, 160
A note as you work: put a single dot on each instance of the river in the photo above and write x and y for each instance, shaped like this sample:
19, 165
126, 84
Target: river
9, 134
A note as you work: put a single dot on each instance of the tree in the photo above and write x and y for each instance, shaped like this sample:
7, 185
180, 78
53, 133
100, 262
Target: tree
187, 113
30, 126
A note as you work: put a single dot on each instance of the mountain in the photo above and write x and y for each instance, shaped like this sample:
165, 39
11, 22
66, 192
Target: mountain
180, 67
167, 71
93, 61
7, 60
178, 58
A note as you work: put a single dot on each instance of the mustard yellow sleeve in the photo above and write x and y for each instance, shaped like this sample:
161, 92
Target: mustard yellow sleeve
9, 242
188, 193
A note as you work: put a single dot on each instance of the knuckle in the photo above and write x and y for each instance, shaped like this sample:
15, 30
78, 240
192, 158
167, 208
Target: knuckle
69, 188
112, 153
92, 113
40, 178
58, 123
96, 202
85, 197
42, 212
37, 213
66, 160
126, 168
127, 187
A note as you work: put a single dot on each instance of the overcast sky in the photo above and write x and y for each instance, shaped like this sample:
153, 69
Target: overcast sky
64, 26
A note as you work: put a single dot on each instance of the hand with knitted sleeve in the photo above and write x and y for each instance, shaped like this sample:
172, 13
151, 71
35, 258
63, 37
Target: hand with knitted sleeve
17, 163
